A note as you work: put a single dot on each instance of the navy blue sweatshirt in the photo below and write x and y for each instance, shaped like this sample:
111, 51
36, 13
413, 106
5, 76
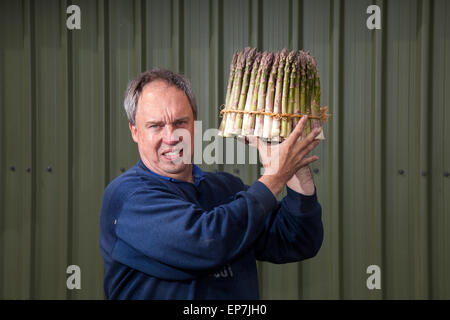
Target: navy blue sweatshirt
162, 238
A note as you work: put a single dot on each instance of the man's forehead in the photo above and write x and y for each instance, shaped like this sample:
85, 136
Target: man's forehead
161, 87
161, 95
161, 90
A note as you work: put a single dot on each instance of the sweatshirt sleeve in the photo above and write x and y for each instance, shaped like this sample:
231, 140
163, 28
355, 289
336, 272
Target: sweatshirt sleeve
292, 233
161, 234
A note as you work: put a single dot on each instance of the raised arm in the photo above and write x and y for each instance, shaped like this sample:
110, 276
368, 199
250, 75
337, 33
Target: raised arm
294, 232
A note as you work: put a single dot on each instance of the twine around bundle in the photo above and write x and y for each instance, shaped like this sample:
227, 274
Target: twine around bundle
323, 116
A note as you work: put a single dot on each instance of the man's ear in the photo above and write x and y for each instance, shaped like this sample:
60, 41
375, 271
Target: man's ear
133, 130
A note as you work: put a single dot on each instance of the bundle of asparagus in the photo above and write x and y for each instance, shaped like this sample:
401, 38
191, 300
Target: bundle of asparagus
267, 94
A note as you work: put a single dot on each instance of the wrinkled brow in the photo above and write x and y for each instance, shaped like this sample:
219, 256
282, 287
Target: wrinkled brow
159, 122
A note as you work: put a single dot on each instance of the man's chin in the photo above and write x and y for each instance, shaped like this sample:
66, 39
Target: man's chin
175, 168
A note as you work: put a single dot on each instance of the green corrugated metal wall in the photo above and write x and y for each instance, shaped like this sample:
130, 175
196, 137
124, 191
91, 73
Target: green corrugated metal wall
64, 136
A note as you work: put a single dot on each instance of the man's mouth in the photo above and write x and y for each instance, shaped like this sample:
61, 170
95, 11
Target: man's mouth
173, 154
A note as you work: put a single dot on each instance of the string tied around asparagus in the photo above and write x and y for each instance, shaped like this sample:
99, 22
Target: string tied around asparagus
323, 115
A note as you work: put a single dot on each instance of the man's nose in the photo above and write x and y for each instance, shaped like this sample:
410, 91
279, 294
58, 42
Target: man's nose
169, 135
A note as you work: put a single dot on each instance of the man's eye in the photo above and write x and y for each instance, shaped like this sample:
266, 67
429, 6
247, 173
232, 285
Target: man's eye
180, 123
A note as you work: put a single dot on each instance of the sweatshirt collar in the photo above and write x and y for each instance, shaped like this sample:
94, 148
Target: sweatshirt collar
197, 174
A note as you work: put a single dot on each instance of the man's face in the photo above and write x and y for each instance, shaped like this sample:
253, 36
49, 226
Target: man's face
164, 130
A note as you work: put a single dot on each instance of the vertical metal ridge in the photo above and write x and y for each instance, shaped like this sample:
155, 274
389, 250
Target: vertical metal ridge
220, 57
384, 26
33, 107
214, 65
301, 17
331, 95
254, 36
70, 118
426, 99
173, 42
335, 88
290, 23
300, 269
250, 22
143, 35
339, 24
181, 37
378, 105
212, 61
214, 57
221, 62
260, 32
299, 45
382, 84
418, 224
2, 166
107, 105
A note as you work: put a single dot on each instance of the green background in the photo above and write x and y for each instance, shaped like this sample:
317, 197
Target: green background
61, 94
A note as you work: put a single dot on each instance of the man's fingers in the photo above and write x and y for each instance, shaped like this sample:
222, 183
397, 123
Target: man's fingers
308, 160
308, 148
297, 132
309, 138
315, 132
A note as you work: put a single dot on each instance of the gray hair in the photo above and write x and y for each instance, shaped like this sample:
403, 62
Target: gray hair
135, 87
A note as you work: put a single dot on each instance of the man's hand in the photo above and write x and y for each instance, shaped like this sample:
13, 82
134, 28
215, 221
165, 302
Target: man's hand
302, 182
282, 161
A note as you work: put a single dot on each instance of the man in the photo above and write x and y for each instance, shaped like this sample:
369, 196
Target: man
171, 231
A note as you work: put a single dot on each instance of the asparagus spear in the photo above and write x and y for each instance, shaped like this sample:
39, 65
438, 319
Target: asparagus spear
303, 85
284, 101
251, 89
309, 91
262, 94
291, 101
315, 104
249, 127
237, 117
233, 89
297, 90
237, 85
229, 88
275, 134
231, 76
267, 128
307, 107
